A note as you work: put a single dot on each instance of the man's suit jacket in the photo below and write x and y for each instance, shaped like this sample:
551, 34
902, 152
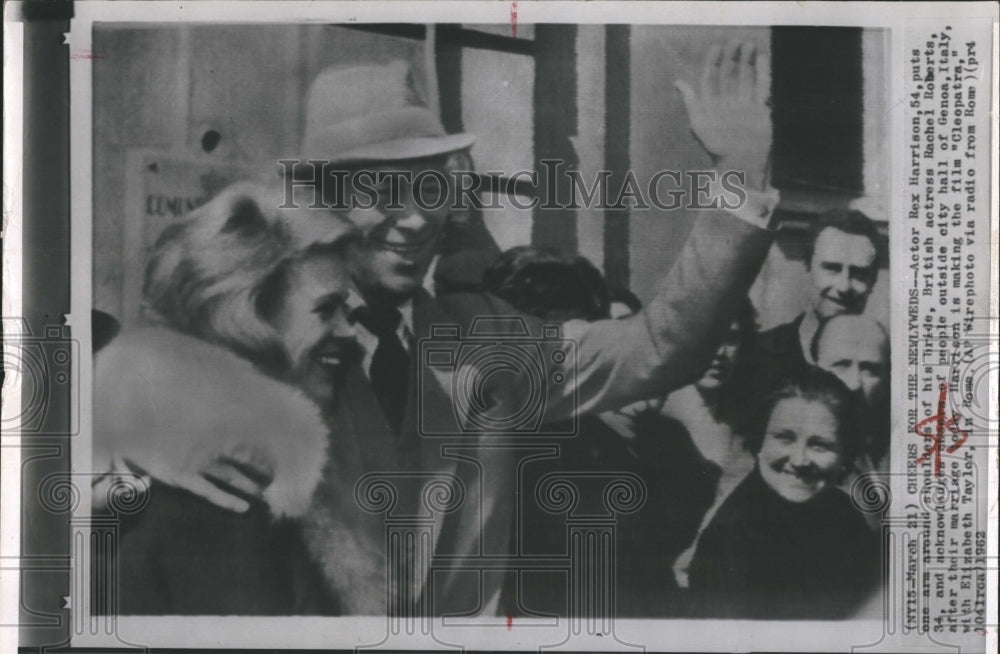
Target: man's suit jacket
776, 357
666, 346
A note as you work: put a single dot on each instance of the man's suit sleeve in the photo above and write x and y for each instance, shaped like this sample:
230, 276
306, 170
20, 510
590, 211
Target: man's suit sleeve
674, 338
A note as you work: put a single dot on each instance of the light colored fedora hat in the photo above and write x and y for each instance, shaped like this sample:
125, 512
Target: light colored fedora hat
371, 113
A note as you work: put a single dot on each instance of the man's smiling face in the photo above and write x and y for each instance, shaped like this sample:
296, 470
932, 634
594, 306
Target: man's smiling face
843, 272
401, 219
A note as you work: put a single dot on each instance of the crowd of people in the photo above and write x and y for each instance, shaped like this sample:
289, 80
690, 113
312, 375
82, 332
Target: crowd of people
281, 369
747, 469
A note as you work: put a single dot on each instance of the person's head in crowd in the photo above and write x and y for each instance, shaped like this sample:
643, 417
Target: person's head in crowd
843, 262
623, 302
738, 339
548, 283
267, 284
806, 438
856, 350
367, 121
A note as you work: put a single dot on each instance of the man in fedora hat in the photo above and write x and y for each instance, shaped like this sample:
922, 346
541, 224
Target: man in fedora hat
379, 128
365, 122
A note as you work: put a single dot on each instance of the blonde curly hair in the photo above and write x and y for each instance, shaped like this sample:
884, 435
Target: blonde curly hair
208, 273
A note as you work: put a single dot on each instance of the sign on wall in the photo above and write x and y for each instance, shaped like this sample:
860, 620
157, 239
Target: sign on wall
162, 187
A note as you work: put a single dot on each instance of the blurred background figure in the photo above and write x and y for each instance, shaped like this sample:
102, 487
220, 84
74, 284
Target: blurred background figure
788, 543
714, 408
714, 412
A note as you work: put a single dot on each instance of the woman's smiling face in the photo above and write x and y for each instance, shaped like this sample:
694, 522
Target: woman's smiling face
801, 453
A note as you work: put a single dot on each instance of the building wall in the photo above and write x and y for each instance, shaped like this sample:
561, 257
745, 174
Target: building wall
164, 88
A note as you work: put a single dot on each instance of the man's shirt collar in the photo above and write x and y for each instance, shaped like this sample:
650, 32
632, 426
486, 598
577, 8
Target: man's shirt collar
368, 341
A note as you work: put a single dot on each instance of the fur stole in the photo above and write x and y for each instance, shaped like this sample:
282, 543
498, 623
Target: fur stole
171, 404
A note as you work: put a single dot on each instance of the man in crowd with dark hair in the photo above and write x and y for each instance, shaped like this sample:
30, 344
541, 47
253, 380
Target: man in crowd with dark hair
842, 258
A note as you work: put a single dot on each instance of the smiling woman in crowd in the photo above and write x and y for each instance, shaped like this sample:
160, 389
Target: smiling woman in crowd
788, 543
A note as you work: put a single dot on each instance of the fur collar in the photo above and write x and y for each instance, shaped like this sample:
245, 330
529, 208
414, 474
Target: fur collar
154, 385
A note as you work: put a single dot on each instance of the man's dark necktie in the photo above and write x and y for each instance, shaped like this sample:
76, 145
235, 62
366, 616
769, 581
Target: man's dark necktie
390, 367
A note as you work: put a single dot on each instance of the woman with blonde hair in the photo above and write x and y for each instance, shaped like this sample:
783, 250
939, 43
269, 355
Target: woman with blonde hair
247, 343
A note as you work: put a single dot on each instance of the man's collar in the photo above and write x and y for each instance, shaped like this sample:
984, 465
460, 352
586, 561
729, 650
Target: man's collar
406, 308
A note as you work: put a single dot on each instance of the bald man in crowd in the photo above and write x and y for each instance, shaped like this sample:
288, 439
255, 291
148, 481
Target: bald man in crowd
855, 348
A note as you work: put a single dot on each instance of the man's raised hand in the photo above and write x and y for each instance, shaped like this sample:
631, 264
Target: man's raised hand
730, 114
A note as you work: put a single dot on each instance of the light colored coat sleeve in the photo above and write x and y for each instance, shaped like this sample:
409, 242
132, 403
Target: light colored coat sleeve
670, 342
674, 338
